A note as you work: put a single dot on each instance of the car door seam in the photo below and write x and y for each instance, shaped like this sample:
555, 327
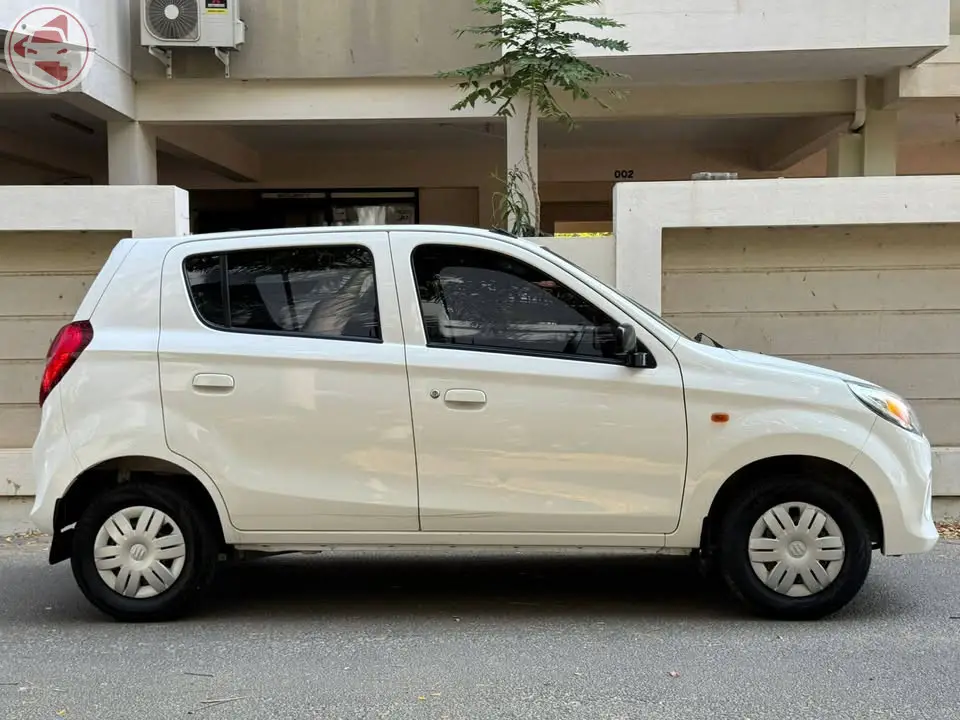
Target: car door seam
406, 372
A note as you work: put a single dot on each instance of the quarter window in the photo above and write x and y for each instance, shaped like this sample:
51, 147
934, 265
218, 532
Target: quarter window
316, 291
478, 299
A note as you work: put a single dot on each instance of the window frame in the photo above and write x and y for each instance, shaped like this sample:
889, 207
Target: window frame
518, 352
225, 293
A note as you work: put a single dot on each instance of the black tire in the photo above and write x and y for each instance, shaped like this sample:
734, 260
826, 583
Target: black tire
733, 538
201, 551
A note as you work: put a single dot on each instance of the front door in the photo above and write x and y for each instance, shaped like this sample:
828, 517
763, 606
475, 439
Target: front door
524, 418
283, 378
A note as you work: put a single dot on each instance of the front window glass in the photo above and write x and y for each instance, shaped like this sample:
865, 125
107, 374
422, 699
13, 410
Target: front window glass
478, 299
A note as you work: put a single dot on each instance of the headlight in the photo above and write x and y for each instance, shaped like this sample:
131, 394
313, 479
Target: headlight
887, 405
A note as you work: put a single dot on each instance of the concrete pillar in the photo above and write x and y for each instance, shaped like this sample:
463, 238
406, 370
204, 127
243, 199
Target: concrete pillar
516, 143
131, 154
638, 250
845, 156
880, 143
870, 152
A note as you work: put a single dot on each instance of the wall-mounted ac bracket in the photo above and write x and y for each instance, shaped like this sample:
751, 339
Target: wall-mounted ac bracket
224, 57
164, 56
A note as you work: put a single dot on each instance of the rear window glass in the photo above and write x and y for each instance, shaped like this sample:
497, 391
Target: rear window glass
325, 291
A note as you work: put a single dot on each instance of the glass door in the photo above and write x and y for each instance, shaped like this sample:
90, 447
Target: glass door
374, 208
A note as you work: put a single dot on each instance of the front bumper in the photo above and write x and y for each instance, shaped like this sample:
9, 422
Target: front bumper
898, 467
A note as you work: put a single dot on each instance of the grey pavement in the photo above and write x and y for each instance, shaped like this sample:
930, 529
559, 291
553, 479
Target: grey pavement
478, 635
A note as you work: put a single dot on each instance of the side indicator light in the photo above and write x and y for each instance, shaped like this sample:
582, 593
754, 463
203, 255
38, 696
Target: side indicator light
720, 418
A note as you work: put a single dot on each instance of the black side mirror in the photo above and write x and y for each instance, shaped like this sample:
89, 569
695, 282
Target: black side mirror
634, 353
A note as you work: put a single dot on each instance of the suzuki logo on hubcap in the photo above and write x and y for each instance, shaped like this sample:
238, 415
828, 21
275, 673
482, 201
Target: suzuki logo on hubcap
138, 552
797, 549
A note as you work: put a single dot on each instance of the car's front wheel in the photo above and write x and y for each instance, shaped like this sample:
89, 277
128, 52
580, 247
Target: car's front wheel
794, 548
141, 552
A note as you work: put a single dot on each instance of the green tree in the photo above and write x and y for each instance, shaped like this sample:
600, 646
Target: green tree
534, 41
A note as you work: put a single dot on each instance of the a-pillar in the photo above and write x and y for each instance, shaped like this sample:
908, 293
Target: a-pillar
870, 152
522, 130
131, 154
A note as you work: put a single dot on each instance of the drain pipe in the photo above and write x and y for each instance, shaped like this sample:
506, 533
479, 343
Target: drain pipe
860, 113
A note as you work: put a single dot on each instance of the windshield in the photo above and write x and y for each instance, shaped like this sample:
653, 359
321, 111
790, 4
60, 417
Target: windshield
646, 311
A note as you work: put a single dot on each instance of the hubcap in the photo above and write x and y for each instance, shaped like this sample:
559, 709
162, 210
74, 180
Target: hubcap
139, 552
796, 549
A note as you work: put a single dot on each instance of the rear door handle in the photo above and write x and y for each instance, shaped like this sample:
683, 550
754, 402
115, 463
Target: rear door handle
213, 381
462, 396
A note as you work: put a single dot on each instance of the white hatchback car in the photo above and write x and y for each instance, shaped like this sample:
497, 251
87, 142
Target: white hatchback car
294, 390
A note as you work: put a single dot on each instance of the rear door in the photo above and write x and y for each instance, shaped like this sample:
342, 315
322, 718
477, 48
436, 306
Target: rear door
283, 377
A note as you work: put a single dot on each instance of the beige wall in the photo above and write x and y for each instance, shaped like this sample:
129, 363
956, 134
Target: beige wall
449, 206
700, 27
43, 278
335, 39
596, 255
53, 241
879, 302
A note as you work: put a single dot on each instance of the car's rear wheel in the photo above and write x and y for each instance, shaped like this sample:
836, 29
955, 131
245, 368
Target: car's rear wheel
794, 548
142, 553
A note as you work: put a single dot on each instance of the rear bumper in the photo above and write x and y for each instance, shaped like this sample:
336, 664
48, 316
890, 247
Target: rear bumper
54, 465
898, 467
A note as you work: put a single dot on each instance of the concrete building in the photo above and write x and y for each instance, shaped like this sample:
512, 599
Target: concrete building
332, 114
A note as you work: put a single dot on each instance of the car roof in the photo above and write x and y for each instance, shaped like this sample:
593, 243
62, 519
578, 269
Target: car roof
325, 230
333, 230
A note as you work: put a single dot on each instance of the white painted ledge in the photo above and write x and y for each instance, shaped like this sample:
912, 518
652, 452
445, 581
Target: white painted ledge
16, 477
643, 210
141, 210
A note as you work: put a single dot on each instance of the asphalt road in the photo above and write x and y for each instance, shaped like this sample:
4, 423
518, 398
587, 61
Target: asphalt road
473, 636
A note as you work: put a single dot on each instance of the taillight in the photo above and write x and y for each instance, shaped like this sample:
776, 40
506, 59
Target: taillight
64, 351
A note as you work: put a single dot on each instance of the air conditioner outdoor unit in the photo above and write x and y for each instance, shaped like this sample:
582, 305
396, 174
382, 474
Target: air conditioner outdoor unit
166, 25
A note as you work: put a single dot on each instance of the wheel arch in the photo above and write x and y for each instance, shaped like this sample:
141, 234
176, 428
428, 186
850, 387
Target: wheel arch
830, 471
113, 472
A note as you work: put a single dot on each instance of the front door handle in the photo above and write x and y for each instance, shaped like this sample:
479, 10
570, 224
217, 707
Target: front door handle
213, 381
462, 396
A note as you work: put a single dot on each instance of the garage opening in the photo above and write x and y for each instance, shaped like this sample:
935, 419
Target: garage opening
229, 210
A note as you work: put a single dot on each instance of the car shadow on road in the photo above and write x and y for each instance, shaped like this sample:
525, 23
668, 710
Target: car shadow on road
441, 586
451, 586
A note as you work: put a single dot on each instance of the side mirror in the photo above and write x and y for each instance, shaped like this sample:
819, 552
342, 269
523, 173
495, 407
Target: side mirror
626, 339
635, 354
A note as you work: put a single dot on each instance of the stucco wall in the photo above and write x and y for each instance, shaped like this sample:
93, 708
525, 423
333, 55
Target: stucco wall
109, 81
335, 39
672, 27
52, 241
878, 302
842, 215
43, 278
